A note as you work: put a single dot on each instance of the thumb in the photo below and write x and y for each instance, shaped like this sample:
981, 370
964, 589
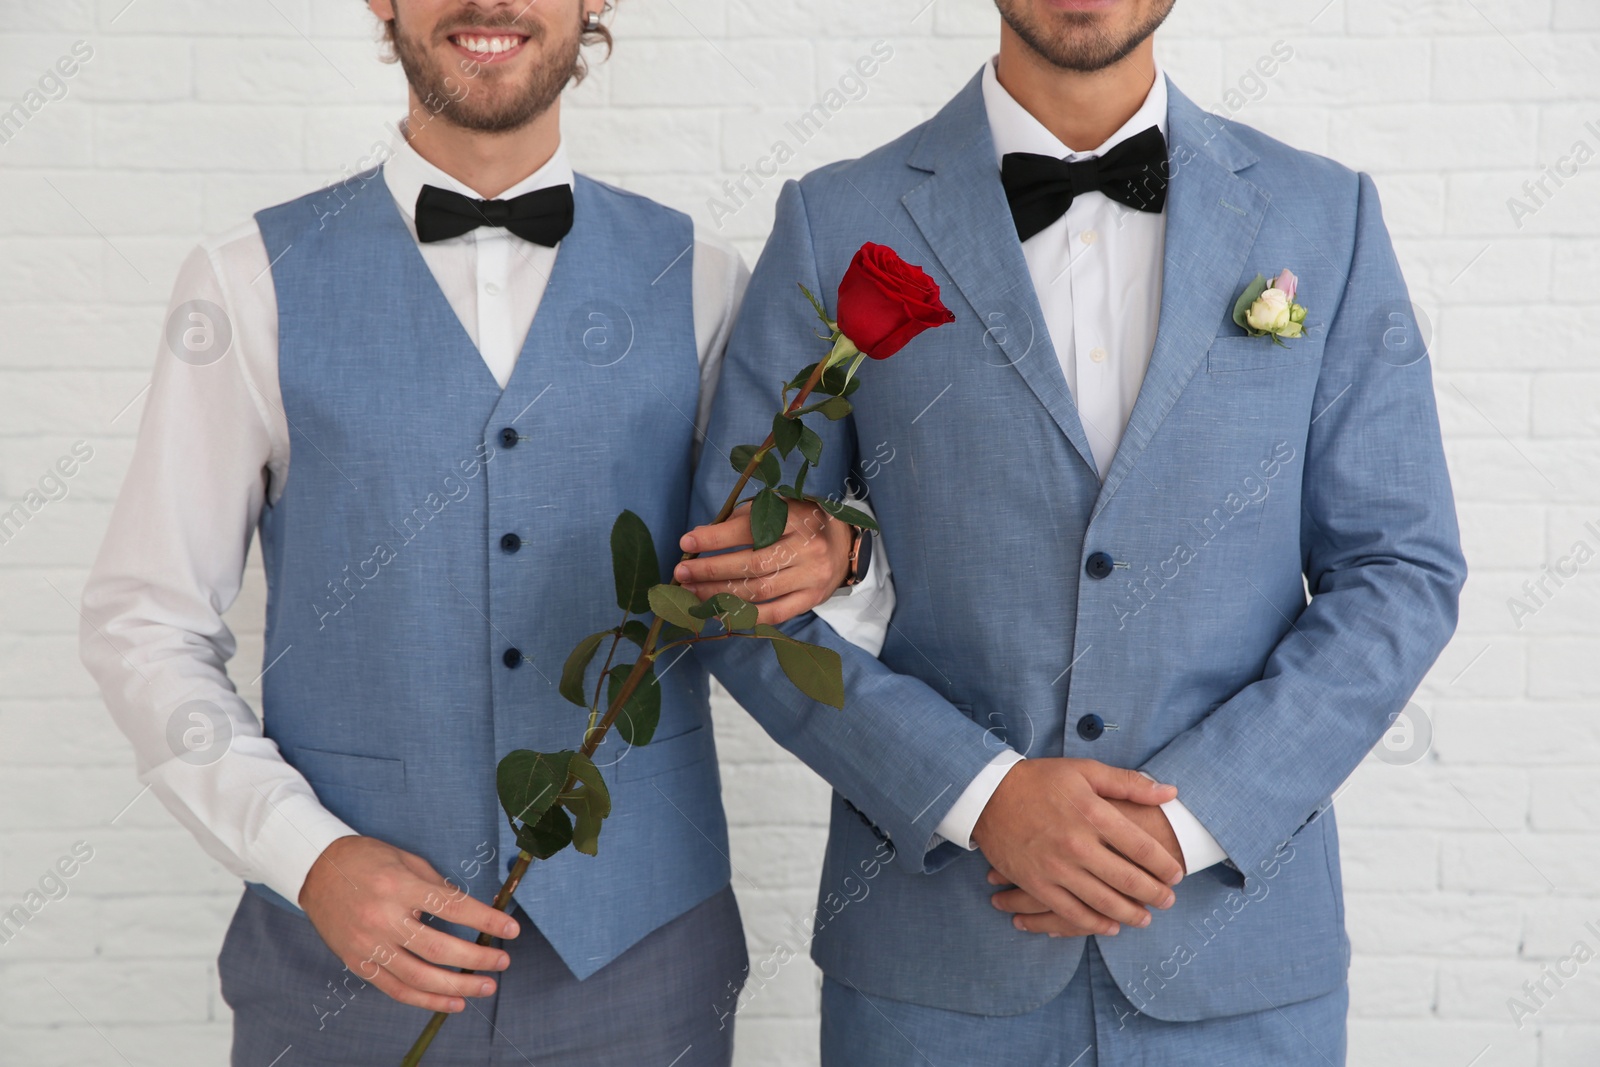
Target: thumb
1125, 783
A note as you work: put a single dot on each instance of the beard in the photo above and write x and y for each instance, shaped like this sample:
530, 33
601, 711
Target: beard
1078, 41
492, 103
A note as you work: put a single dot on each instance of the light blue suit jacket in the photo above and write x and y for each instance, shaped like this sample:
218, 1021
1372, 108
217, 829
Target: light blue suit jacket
1248, 475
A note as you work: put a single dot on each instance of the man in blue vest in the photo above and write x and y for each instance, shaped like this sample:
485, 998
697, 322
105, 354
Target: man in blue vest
1148, 513
477, 360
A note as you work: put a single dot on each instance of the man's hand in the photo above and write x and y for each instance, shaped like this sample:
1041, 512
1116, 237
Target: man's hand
366, 899
786, 579
1053, 830
1033, 917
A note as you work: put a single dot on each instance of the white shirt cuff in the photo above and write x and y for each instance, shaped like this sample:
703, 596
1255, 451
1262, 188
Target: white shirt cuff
1200, 850
957, 824
860, 613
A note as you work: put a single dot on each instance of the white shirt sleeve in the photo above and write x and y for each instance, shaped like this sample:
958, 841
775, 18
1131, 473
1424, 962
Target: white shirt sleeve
172, 562
720, 279
1200, 850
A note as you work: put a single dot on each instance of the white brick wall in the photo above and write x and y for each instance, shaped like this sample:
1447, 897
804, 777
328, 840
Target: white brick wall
1468, 872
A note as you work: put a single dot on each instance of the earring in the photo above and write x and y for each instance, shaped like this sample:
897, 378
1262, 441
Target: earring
592, 23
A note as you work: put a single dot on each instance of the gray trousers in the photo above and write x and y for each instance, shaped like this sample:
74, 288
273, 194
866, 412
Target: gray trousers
666, 1002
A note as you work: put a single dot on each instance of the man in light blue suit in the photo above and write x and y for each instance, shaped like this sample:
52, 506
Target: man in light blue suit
1130, 533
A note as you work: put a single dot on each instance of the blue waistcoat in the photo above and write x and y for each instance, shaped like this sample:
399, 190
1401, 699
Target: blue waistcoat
441, 545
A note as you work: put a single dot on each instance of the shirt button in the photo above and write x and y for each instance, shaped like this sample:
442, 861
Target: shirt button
509, 437
510, 542
1089, 237
1097, 354
512, 657
491, 288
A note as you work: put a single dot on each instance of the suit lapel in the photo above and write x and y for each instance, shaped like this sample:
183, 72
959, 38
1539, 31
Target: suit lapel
1213, 216
962, 213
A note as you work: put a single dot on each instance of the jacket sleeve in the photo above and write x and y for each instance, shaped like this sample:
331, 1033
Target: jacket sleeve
898, 751
1381, 554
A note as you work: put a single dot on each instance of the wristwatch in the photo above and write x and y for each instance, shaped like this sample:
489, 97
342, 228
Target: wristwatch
860, 557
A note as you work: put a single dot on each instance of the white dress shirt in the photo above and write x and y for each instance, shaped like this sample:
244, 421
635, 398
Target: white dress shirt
213, 448
1097, 272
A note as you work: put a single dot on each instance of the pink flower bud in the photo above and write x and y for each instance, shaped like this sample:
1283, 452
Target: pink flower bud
1287, 282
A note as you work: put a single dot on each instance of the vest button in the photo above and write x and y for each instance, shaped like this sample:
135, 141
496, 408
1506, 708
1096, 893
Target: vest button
513, 657
510, 542
1098, 565
508, 437
1090, 727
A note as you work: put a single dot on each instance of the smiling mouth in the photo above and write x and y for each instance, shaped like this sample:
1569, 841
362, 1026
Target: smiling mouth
489, 47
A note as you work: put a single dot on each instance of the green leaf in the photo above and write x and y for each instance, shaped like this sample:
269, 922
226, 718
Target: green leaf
733, 612
634, 561
769, 470
578, 665
674, 603
636, 631
815, 671
845, 513
530, 782
786, 432
789, 492
769, 517
800, 479
551, 834
1251, 294
810, 445
639, 716
671, 634
835, 381
589, 801
835, 408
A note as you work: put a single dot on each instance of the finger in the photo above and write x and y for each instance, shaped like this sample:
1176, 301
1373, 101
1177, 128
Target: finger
450, 904
1053, 925
788, 607
770, 587
1071, 910
996, 878
1145, 852
717, 536
395, 989
1130, 880
438, 947
426, 978
1125, 783
1100, 898
745, 563
1018, 902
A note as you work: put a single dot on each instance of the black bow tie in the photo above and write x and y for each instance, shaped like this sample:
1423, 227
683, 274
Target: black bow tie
1041, 188
543, 216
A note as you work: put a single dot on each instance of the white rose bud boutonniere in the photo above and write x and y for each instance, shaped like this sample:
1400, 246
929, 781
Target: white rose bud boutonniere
1267, 309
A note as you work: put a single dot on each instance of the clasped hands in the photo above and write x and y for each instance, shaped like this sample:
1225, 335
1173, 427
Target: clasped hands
1085, 846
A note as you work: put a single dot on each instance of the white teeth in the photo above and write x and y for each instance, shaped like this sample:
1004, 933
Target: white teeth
488, 45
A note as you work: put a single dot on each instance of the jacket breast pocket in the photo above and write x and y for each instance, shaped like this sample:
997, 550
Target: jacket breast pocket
1241, 353
373, 773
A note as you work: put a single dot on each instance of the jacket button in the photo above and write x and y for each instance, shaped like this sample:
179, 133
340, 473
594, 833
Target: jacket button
510, 542
513, 657
1090, 727
1098, 565
509, 437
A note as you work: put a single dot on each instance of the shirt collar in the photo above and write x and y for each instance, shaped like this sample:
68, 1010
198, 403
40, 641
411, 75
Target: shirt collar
1015, 130
406, 172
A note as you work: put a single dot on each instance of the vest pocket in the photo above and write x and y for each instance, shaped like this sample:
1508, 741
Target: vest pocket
659, 757
374, 773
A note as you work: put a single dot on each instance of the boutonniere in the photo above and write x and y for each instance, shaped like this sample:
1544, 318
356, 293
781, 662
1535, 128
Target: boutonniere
1267, 309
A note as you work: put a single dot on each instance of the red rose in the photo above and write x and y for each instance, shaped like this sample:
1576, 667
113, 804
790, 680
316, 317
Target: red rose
884, 302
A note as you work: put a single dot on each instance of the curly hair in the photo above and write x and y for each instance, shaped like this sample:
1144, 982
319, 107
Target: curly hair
599, 35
